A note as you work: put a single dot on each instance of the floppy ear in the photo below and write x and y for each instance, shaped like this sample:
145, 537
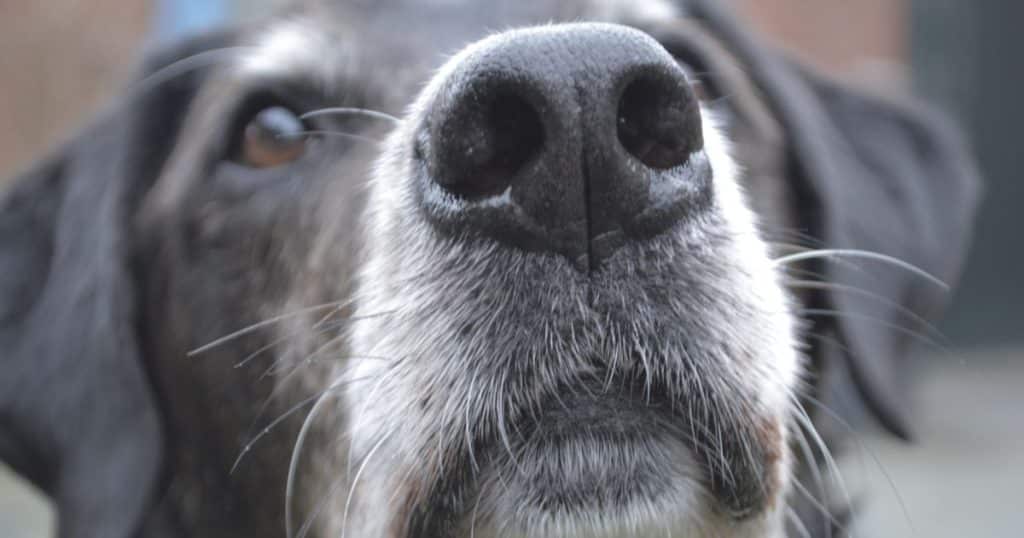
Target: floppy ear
872, 176
78, 416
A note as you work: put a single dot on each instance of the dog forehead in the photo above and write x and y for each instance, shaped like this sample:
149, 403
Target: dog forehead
404, 40
500, 14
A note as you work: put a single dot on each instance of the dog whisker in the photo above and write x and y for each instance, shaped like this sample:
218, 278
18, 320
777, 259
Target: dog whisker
335, 306
797, 273
265, 323
473, 516
282, 384
795, 236
502, 431
295, 366
830, 286
317, 357
184, 66
794, 518
468, 429
830, 520
326, 328
320, 326
282, 417
864, 448
350, 111
355, 481
326, 498
267, 347
724, 98
923, 338
300, 443
789, 246
804, 420
307, 525
293, 463
812, 463
865, 254
339, 134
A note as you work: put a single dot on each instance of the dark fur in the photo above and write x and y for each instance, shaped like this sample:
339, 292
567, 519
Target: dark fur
106, 282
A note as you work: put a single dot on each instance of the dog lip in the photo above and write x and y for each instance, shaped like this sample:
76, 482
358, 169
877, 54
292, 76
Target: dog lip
615, 452
604, 408
593, 447
629, 466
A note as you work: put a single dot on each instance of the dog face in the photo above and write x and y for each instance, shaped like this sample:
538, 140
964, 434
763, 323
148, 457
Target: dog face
573, 351
351, 287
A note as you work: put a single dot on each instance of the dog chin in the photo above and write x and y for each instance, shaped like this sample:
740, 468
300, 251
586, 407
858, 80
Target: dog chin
622, 506
612, 470
578, 486
683, 511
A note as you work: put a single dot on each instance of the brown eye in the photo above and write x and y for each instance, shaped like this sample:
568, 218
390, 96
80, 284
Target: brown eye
273, 137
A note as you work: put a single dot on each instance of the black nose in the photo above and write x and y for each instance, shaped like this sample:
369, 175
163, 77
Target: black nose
573, 139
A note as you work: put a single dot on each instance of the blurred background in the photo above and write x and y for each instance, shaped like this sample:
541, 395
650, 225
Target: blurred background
61, 60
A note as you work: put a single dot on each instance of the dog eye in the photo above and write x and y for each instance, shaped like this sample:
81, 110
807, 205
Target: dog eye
274, 136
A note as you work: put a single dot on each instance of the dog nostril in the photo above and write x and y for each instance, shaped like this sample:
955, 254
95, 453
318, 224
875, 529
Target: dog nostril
658, 121
482, 147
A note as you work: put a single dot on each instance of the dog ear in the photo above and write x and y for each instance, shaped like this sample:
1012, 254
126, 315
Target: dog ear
871, 176
78, 416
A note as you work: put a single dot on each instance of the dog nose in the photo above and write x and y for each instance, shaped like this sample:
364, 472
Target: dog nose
571, 139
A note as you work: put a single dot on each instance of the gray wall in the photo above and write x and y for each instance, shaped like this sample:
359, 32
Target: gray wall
966, 56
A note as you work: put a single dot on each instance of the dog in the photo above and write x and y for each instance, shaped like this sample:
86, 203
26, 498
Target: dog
457, 269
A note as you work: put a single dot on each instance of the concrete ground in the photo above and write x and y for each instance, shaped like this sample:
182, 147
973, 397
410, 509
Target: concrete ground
23, 513
965, 478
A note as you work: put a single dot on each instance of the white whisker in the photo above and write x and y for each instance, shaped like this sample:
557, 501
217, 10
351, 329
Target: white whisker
185, 65
830, 462
878, 462
873, 319
793, 517
257, 326
293, 464
813, 284
355, 481
865, 254
351, 111
340, 134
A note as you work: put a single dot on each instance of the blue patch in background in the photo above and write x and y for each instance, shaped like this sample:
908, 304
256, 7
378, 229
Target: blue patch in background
175, 18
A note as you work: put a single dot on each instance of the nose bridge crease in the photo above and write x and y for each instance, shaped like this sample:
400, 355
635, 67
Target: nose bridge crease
586, 187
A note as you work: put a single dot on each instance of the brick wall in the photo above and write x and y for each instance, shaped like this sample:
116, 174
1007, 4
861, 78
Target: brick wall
864, 40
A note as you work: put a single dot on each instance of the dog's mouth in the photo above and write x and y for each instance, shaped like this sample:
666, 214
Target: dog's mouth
596, 459
617, 451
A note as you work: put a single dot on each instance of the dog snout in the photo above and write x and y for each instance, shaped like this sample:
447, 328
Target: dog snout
571, 139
